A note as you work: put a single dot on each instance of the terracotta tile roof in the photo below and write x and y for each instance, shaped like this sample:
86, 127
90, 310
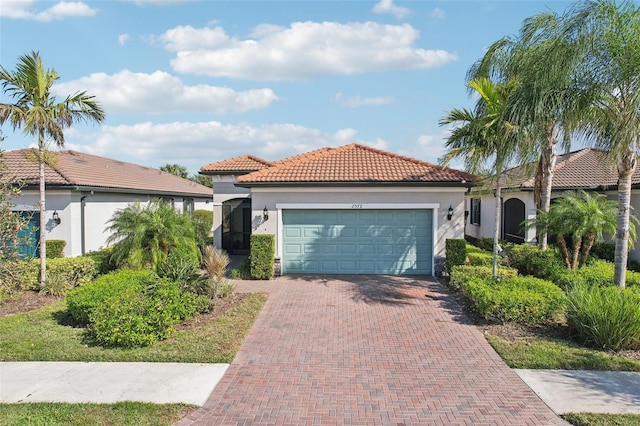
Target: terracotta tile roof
586, 168
244, 163
352, 164
72, 168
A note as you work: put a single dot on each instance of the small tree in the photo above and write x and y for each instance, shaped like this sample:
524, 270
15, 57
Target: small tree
176, 169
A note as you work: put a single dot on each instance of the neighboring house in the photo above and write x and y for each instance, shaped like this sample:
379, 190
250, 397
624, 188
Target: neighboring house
588, 169
84, 191
347, 210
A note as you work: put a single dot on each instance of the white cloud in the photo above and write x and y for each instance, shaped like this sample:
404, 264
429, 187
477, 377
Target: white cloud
433, 147
438, 13
302, 51
387, 6
25, 9
205, 142
357, 101
161, 92
122, 39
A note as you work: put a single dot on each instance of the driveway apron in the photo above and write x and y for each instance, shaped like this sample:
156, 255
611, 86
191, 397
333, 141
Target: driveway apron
367, 350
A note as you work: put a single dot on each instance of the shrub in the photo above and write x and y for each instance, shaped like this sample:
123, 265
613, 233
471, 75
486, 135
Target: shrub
530, 260
603, 250
202, 224
133, 308
480, 259
76, 271
241, 271
605, 317
485, 243
184, 271
526, 300
262, 256
461, 274
226, 289
56, 285
595, 273
103, 261
55, 248
12, 276
456, 253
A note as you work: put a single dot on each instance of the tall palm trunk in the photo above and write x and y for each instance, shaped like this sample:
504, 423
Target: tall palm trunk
626, 169
547, 163
43, 219
496, 231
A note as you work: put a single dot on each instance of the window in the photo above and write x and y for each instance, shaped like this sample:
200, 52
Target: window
187, 206
475, 211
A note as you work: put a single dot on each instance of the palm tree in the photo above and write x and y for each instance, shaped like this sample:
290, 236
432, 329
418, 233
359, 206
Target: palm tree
144, 236
176, 169
582, 217
484, 138
542, 60
38, 113
608, 74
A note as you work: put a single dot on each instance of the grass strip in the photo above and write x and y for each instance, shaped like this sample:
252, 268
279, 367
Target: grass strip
41, 335
588, 419
64, 414
558, 354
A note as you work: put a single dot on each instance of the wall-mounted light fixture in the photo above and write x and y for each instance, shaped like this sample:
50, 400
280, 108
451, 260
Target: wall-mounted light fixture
265, 214
56, 218
450, 213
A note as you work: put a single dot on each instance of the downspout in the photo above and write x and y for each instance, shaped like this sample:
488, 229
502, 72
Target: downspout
83, 244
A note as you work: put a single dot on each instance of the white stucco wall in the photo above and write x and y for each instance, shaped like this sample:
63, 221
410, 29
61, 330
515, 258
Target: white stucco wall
99, 208
224, 189
363, 197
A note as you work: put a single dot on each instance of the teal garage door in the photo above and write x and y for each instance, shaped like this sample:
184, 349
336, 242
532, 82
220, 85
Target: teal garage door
357, 241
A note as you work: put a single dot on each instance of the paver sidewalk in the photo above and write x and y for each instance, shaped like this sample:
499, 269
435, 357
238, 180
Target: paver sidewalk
368, 350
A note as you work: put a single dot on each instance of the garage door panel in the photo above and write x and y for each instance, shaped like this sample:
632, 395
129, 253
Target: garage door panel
357, 241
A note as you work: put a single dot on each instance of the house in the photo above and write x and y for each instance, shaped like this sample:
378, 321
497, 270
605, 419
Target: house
587, 169
83, 192
347, 210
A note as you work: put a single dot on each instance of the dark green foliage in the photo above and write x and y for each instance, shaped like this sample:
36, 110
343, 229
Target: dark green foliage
241, 271
133, 308
102, 259
463, 273
603, 250
55, 248
456, 252
595, 273
485, 243
262, 256
527, 300
184, 271
605, 317
202, 224
530, 260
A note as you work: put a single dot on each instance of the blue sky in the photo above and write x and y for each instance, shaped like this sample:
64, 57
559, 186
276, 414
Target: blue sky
193, 82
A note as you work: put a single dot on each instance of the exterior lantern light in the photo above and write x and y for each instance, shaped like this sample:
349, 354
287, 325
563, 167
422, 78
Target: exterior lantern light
56, 218
450, 213
265, 214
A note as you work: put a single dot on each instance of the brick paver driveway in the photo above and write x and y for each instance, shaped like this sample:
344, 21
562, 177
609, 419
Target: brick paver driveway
367, 350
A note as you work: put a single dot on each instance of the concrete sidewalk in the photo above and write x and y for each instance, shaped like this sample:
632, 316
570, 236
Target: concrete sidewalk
108, 382
584, 391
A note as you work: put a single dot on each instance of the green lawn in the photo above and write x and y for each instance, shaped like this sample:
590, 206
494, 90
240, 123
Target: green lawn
41, 336
121, 414
558, 354
584, 419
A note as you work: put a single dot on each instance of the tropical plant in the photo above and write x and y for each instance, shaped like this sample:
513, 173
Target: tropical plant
176, 169
40, 114
609, 37
484, 138
216, 262
578, 219
143, 236
544, 101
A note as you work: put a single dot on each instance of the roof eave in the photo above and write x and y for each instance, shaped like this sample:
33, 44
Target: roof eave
459, 184
120, 190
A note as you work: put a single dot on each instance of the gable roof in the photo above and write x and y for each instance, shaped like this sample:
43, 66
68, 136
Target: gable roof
236, 165
351, 164
77, 169
587, 168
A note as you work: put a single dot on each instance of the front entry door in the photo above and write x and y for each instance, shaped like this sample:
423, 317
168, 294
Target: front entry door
236, 226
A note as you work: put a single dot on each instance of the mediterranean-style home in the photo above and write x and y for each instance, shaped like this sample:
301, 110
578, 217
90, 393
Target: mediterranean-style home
587, 169
83, 192
347, 210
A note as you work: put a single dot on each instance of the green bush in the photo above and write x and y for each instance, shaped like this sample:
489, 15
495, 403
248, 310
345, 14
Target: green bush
530, 260
76, 271
595, 273
55, 248
102, 259
456, 253
242, 271
133, 308
527, 300
603, 250
485, 243
202, 225
605, 317
184, 271
480, 259
463, 273
262, 256
12, 276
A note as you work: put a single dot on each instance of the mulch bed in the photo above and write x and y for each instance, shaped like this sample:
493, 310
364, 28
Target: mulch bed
24, 301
